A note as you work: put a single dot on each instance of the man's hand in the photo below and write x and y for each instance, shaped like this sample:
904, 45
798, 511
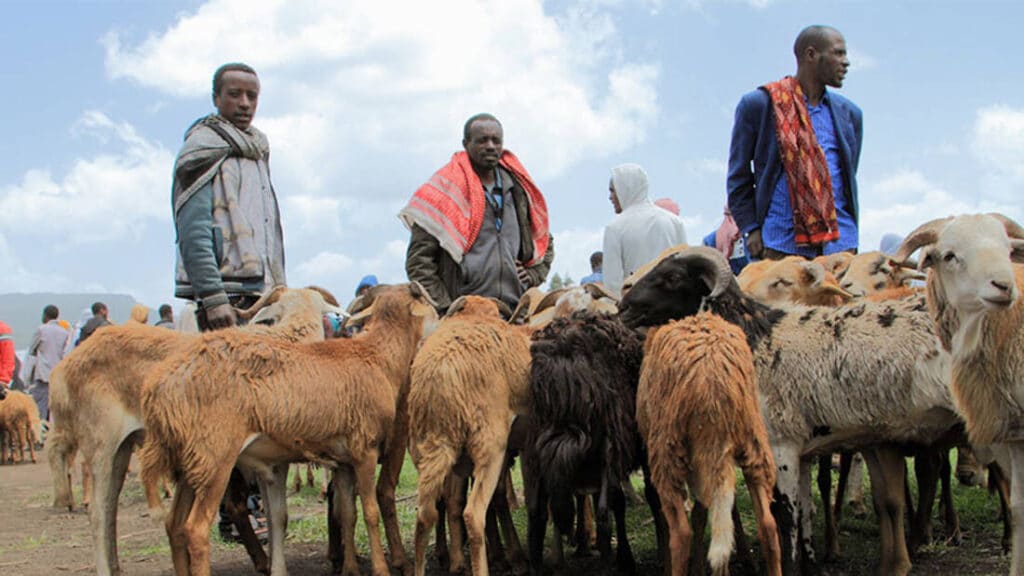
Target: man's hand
221, 316
524, 276
755, 248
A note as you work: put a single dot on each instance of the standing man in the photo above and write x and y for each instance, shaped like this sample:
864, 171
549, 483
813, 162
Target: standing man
166, 316
596, 275
792, 180
98, 320
230, 245
480, 224
7, 356
47, 348
640, 230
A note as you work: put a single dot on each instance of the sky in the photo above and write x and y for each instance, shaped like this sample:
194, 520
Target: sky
362, 101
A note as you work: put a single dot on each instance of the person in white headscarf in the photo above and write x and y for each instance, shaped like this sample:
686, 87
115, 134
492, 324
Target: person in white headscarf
640, 231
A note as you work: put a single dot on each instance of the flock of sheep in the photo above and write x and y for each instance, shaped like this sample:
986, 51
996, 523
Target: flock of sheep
693, 373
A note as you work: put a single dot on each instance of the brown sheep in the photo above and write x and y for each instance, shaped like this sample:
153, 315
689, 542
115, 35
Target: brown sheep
792, 279
698, 413
469, 380
275, 403
19, 423
95, 402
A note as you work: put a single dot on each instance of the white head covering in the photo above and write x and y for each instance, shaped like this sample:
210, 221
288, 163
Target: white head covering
630, 182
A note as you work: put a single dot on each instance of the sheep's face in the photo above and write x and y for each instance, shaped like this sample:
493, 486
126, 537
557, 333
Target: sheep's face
872, 272
972, 257
668, 292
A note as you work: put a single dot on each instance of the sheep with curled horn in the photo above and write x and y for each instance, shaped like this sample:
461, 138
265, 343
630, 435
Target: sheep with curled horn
95, 403
974, 282
867, 374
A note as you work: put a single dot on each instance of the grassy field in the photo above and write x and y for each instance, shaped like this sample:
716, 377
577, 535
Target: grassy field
978, 554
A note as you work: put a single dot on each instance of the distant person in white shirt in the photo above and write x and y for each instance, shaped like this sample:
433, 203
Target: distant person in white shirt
640, 231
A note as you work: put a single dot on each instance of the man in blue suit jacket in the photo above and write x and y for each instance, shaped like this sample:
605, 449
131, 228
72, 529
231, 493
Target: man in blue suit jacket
759, 195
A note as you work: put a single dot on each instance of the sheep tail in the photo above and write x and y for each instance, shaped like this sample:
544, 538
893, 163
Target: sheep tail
433, 465
722, 537
155, 461
561, 453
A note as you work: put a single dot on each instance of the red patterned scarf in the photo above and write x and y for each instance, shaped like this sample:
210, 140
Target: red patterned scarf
448, 210
807, 173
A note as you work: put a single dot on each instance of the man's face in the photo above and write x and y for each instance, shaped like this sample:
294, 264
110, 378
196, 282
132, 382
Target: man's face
484, 144
238, 96
832, 62
614, 197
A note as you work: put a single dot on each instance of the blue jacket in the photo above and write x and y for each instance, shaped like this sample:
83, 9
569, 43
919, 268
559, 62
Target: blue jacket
753, 140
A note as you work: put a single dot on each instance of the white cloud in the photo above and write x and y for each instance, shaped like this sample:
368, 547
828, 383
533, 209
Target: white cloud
998, 140
861, 60
109, 196
707, 167
362, 78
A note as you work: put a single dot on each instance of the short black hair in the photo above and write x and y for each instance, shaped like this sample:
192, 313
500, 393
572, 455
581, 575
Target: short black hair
477, 118
596, 260
814, 35
165, 310
218, 76
50, 312
98, 307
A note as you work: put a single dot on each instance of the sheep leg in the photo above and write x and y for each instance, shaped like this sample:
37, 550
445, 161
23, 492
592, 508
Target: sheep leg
1016, 450
487, 467
699, 523
181, 508
365, 471
204, 510
61, 454
503, 511
28, 437
297, 480
660, 526
537, 521
888, 469
743, 554
998, 481
334, 546
679, 532
428, 492
805, 515
926, 467
344, 498
845, 459
624, 561
273, 485
604, 533
440, 535
110, 467
455, 509
825, 488
310, 477
386, 484
950, 518
495, 548
786, 505
5, 438
87, 483
236, 509
767, 530
584, 520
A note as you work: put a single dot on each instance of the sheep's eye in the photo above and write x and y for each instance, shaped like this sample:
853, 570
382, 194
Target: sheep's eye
879, 285
781, 283
948, 257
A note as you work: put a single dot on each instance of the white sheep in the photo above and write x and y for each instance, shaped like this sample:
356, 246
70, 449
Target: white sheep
974, 286
865, 374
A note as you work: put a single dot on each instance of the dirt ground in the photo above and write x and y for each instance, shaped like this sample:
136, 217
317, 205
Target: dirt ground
36, 540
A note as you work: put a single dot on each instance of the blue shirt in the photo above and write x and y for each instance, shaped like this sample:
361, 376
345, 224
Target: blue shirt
777, 232
594, 278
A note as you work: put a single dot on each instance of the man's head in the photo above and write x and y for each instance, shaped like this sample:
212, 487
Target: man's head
628, 186
596, 261
482, 137
236, 91
365, 283
821, 54
50, 312
166, 312
99, 309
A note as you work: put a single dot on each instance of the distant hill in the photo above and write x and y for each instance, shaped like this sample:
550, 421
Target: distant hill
23, 312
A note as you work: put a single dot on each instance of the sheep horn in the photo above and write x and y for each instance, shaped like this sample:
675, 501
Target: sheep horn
456, 307
1013, 230
326, 294
713, 266
417, 289
548, 300
503, 308
923, 235
266, 299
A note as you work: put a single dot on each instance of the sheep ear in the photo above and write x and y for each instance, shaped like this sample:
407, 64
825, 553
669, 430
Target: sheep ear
906, 271
1017, 251
265, 300
928, 257
814, 272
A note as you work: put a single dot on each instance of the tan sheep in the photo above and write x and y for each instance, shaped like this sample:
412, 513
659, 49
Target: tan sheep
469, 380
95, 402
697, 411
19, 421
792, 279
274, 403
